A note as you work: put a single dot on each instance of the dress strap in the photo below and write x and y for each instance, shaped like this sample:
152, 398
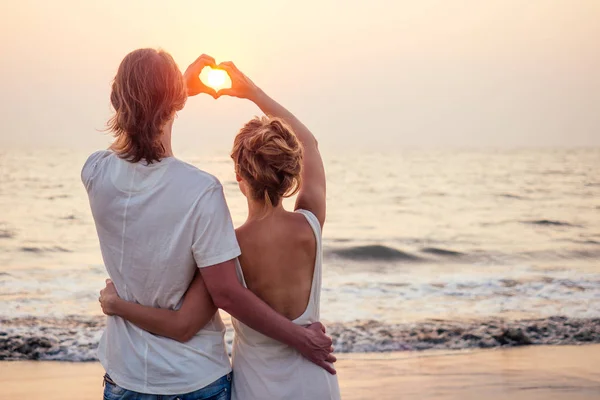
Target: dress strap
314, 224
313, 307
240, 272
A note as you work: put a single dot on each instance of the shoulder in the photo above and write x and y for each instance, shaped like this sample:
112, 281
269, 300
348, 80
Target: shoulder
96, 157
312, 219
243, 232
306, 226
90, 167
202, 190
194, 175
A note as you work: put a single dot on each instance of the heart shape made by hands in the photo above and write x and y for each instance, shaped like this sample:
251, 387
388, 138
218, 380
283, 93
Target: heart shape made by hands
215, 78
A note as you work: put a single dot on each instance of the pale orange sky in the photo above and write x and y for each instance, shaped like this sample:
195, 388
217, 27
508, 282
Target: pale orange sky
361, 74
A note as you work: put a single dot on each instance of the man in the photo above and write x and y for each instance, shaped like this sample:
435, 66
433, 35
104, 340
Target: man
159, 221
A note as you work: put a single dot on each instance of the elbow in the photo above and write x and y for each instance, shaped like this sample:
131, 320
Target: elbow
315, 143
184, 332
223, 299
184, 337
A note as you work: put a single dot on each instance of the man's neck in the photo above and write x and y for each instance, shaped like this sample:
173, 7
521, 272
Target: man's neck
166, 139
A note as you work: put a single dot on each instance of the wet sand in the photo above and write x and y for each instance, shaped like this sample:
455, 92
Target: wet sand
534, 372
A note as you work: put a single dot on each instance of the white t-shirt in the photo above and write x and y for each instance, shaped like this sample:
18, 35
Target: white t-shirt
156, 223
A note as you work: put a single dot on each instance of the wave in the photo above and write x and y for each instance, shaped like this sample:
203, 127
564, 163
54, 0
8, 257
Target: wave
374, 252
556, 172
76, 339
58, 196
586, 241
40, 250
6, 234
512, 196
373, 336
68, 339
340, 240
442, 252
549, 222
60, 185
366, 253
582, 240
433, 194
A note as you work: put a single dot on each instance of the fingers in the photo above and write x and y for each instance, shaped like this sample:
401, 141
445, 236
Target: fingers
327, 367
108, 281
192, 72
331, 358
203, 61
206, 58
208, 90
225, 92
229, 67
318, 327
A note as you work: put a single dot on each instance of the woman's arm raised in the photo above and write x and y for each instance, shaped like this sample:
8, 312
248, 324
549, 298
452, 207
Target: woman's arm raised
181, 325
312, 195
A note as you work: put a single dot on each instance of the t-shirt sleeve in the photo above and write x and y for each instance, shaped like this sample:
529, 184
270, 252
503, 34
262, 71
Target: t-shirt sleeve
90, 167
214, 237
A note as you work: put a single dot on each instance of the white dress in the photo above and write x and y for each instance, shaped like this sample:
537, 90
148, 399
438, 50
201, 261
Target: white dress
264, 369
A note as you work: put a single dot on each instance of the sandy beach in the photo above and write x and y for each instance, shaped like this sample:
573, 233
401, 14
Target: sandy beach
535, 372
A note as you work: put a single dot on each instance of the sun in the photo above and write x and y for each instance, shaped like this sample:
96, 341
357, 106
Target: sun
215, 78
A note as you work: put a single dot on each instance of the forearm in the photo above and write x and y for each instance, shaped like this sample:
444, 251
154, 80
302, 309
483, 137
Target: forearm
228, 294
252, 311
163, 322
273, 109
312, 195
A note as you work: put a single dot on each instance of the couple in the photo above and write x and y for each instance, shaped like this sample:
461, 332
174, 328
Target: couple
174, 258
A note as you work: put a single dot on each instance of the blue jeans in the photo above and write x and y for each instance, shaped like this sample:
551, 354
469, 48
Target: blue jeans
218, 390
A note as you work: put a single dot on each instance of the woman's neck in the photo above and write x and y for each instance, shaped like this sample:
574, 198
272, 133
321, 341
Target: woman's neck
257, 210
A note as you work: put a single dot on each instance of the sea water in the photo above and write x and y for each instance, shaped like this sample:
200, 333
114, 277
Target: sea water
422, 249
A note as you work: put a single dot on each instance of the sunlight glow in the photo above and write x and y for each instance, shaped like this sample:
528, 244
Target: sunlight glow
215, 78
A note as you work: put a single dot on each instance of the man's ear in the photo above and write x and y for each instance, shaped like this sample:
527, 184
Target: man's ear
238, 178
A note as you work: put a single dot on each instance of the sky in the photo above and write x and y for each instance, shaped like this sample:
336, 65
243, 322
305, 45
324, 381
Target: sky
361, 74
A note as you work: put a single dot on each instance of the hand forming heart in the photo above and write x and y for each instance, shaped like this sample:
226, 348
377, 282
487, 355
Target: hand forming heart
192, 80
214, 79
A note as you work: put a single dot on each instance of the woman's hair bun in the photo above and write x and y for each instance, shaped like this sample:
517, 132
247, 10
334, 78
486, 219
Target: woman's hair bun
268, 156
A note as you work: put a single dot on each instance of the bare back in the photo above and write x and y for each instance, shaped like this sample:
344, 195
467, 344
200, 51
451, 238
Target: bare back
282, 264
278, 261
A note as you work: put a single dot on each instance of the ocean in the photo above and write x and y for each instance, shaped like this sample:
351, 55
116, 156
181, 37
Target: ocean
424, 249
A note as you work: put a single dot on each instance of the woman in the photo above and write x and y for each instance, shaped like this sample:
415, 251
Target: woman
281, 253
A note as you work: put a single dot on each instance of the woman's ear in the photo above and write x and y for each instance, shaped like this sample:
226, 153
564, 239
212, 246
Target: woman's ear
241, 184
